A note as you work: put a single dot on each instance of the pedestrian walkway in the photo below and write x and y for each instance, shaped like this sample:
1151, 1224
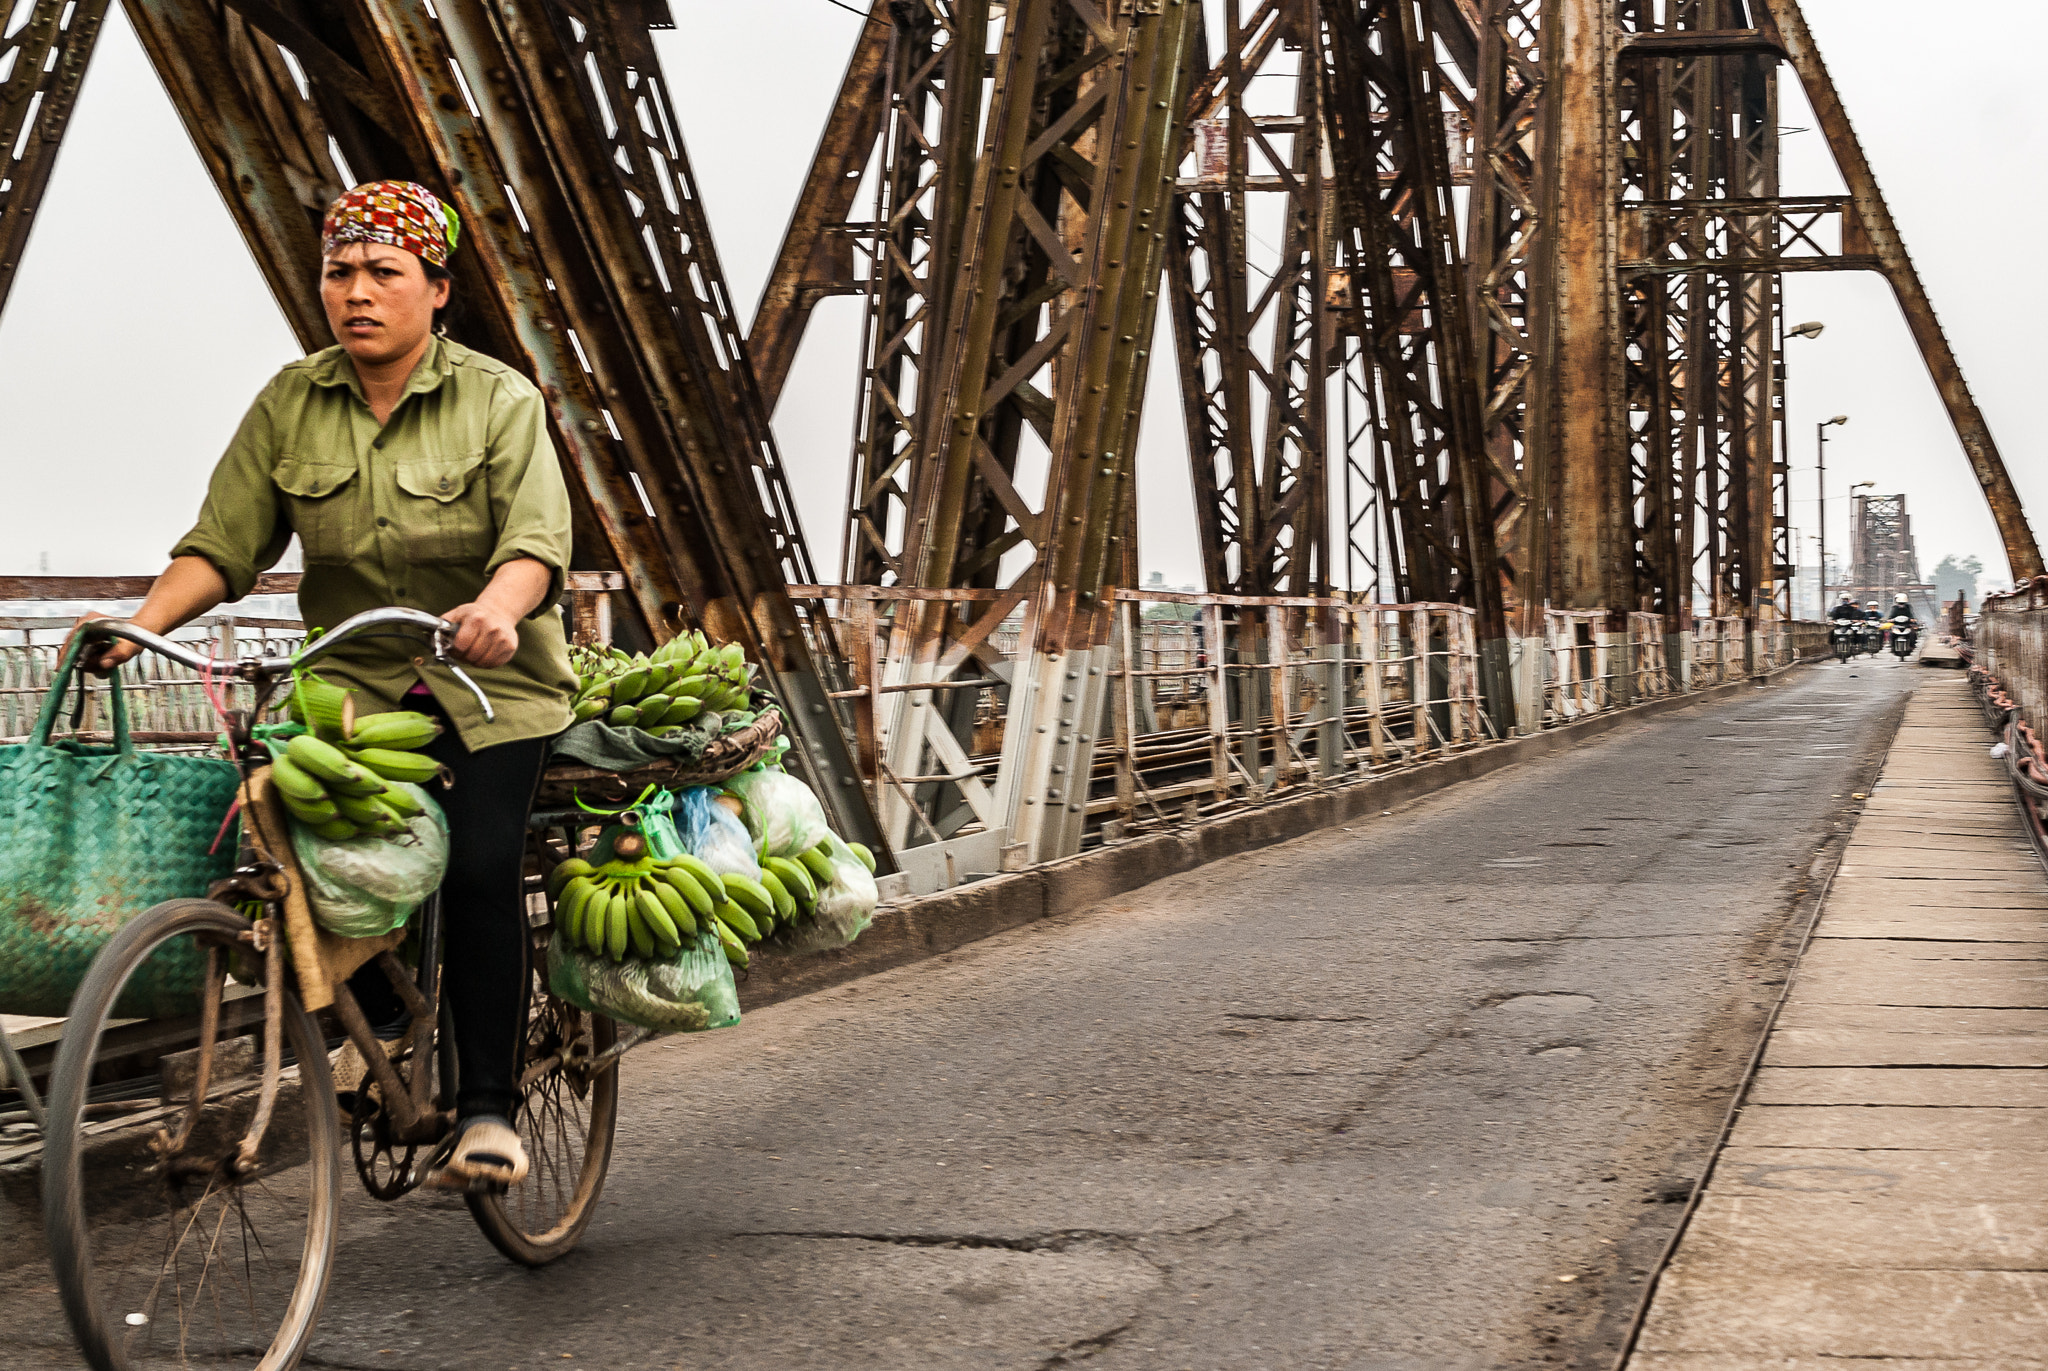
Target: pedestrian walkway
1883, 1198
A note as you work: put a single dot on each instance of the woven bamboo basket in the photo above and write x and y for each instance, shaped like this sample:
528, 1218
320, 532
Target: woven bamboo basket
561, 786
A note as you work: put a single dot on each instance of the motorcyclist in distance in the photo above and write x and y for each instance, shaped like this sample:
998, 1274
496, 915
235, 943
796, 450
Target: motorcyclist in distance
1902, 608
1871, 611
1846, 609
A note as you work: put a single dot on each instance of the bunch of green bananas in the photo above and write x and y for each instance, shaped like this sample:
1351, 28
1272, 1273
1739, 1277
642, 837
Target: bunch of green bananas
684, 677
342, 785
634, 903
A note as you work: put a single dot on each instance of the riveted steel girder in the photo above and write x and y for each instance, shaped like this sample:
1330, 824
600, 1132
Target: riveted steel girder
587, 263
1785, 23
45, 59
1045, 341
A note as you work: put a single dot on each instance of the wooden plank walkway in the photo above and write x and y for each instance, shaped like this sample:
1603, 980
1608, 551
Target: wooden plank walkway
1883, 1198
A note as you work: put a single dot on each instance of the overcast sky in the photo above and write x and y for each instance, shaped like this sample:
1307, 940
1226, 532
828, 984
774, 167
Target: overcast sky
139, 329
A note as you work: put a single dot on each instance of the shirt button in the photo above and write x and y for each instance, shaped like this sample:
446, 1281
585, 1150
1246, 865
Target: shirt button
383, 522
419, 661
376, 442
313, 489
444, 483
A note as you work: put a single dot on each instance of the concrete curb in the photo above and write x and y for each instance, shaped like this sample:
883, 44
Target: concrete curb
934, 924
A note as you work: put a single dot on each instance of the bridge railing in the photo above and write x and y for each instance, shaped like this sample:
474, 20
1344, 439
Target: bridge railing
168, 709
1214, 701
2010, 644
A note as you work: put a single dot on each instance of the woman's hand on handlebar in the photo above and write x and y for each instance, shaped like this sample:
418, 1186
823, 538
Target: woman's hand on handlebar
103, 657
484, 634
487, 629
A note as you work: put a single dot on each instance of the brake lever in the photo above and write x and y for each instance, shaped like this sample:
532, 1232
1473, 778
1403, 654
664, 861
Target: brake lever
441, 656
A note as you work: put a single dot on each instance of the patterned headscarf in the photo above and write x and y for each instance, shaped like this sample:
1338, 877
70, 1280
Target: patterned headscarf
401, 214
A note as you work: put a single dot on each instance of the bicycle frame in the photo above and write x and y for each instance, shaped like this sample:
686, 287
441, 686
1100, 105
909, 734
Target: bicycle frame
259, 878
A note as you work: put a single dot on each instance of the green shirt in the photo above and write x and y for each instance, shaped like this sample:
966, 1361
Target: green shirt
419, 513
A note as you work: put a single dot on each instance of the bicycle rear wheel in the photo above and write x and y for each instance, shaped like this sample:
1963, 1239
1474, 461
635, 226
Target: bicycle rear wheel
189, 1259
565, 1120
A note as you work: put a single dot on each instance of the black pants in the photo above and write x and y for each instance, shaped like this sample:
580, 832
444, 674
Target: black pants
486, 958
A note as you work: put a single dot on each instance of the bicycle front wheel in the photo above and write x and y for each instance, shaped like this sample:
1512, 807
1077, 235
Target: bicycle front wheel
187, 1254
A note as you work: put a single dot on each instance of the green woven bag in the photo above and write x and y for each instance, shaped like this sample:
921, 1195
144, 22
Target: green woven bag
90, 836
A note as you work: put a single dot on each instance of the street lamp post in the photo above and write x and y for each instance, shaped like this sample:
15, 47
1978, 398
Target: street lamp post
1811, 329
1821, 475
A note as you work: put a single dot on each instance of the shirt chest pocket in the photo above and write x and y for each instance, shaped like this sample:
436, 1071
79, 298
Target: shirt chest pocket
444, 510
321, 513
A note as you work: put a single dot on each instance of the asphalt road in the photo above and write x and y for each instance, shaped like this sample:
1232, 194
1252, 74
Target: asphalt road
1426, 1092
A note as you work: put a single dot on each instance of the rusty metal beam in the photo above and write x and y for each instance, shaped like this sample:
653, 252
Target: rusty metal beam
1700, 43
50, 52
1786, 23
1398, 245
817, 255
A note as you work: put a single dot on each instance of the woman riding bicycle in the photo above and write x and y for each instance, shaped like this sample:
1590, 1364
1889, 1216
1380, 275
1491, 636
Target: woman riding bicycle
415, 472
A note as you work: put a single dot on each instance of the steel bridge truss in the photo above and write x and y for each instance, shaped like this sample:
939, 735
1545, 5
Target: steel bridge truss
1473, 303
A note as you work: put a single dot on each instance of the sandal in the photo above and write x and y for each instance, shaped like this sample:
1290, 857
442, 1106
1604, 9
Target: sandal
485, 1153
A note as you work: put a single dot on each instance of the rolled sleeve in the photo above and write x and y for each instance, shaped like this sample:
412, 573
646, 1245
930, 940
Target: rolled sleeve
239, 531
529, 499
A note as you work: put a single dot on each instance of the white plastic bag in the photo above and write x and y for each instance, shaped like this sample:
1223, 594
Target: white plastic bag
846, 906
364, 887
780, 810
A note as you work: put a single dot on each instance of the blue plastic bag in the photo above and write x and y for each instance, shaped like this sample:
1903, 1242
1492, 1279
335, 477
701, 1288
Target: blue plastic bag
714, 834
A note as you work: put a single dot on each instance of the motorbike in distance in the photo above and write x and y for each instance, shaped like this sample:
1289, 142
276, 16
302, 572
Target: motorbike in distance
1852, 637
1902, 636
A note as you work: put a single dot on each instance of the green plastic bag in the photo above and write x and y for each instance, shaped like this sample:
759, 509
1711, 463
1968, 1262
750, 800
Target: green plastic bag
90, 837
363, 887
688, 993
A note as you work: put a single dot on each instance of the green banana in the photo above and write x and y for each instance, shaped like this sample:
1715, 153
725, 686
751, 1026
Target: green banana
694, 687
867, 858
313, 812
739, 921
294, 782
400, 730
401, 802
632, 685
565, 872
625, 716
819, 866
795, 879
685, 888
735, 950
681, 709
639, 934
322, 760
569, 906
337, 830
748, 895
616, 927
394, 765
785, 903
712, 883
586, 710
655, 914
369, 812
677, 908
654, 709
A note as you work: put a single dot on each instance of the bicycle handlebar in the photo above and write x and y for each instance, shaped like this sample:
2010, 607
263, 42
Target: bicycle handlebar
371, 623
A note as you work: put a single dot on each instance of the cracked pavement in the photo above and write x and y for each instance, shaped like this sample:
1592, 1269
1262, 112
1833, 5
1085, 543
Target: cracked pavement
1424, 1092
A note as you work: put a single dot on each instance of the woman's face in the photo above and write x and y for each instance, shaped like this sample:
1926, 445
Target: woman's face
379, 301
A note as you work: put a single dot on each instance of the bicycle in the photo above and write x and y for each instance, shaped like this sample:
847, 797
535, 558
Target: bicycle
212, 1240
